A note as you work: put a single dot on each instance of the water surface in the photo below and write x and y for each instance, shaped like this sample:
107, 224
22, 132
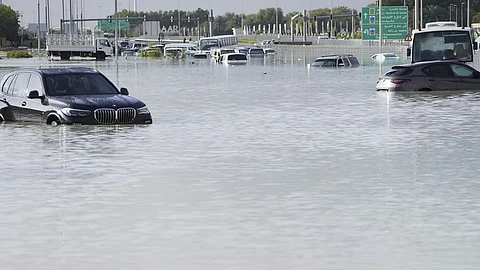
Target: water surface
271, 165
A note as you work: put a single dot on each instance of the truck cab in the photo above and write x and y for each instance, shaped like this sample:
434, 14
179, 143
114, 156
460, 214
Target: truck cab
103, 48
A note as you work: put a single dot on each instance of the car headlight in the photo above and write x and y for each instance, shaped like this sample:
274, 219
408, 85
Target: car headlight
143, 110
75, 112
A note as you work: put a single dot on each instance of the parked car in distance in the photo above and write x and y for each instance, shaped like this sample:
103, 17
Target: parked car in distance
385, 56
336, 60
256, 52
68, 96
441, 75
233, 58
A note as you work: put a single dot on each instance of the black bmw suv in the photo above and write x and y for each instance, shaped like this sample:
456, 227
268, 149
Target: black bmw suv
68, 96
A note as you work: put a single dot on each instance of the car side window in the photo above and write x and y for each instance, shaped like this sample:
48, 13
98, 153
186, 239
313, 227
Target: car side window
438, 70
21, 83
7, 83
35, 84
462, 71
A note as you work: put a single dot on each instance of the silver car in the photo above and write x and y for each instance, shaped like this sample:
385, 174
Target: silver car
430, 76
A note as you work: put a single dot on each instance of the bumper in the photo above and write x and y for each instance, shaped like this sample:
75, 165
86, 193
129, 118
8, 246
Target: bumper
140, 119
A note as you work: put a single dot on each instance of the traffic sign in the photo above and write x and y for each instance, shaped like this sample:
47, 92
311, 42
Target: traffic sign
105, 25
394, 23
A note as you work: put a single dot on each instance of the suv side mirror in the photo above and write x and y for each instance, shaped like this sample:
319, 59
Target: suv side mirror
33, 94
124, 91
409, 52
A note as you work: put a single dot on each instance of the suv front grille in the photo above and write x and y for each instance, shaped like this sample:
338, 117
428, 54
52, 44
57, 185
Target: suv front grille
112, 116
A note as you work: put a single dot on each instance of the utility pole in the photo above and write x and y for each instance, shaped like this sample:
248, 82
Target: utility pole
115, 46
417, 21
63, 16
353, 19
276, 20
38, 28
305, 18
71, 20
179, 19
210, 23
380, 26
468, 13
330, 28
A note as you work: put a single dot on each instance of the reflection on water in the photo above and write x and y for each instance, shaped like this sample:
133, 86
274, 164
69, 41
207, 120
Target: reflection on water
270, 165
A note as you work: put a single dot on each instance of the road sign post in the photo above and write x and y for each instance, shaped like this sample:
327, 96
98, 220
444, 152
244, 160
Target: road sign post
394, 23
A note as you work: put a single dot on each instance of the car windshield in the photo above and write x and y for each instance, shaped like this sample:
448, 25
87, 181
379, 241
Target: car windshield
78, 84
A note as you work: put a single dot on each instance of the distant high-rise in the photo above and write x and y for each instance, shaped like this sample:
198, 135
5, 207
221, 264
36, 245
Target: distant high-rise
1, 2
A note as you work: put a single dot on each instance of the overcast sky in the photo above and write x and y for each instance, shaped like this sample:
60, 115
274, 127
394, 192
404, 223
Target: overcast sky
101, 8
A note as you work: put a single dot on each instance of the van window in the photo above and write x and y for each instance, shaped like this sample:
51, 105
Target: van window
7, 83
21, 83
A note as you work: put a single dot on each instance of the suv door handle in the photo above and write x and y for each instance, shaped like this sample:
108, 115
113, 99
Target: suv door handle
431, 79
24, 103
460, 80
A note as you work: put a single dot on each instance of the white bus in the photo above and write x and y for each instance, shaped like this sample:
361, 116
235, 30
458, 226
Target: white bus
207, 43
442, 40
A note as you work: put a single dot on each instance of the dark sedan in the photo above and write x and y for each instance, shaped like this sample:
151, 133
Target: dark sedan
430, 76
68, 96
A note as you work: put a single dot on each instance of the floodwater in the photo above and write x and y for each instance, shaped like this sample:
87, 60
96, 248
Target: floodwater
271, 165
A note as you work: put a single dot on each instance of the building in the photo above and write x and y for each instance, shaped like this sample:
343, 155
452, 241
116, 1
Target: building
33, 28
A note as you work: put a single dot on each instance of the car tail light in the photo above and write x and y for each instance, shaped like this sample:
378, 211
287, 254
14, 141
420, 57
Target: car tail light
399, 81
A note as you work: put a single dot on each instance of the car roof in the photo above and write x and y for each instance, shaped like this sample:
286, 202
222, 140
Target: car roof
330, 56
57, 70
425, 63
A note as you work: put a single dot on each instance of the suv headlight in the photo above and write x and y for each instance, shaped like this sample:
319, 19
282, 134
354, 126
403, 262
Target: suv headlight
143, 110
75, 112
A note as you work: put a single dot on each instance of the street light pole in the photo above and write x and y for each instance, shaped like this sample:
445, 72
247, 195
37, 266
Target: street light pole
38, 28
456, 14
468, 13
461, 13
115, 46
450, 11
353, 19
276, 19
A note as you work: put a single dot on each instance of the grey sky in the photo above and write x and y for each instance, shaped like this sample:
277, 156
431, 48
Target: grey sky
97, 8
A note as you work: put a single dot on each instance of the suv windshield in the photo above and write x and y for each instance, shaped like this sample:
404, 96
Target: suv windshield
78, 84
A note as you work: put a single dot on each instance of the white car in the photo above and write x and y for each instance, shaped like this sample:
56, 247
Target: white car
384, 56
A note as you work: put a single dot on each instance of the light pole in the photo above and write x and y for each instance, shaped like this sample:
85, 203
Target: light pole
21, 38
276, 19
38, 28
353, 19
330, 28
461, 13
450, 11
468, 13
116, 30
100, 22
456, 13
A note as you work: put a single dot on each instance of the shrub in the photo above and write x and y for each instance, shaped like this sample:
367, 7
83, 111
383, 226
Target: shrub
150, 53
18, 54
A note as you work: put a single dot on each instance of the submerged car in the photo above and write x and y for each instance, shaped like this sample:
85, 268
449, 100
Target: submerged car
441, 75
336, 60
233, 59
68, 96
385, 57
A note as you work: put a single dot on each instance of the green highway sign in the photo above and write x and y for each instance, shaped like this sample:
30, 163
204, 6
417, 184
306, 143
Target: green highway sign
394, 23
105, 25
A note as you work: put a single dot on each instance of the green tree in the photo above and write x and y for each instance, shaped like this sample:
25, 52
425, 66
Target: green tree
9, 23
